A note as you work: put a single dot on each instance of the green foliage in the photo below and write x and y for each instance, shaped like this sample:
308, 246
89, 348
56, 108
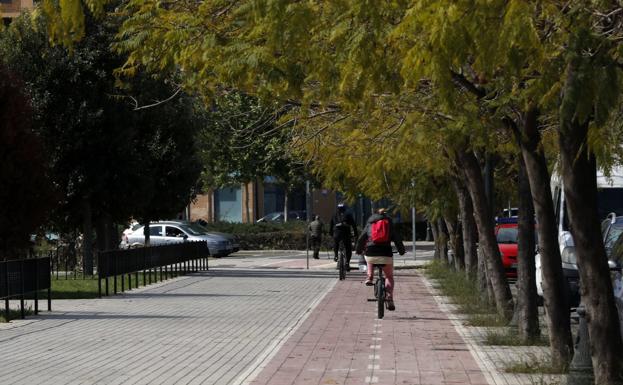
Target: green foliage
99, 148
241, 141
27, 193
446, 73
255, 228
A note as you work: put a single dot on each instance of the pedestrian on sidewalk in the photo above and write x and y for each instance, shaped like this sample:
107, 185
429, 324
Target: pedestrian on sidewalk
315, 232
375, 241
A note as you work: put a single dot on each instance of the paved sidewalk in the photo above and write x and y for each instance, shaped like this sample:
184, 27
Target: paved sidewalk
342, 342
255, 320
207, 328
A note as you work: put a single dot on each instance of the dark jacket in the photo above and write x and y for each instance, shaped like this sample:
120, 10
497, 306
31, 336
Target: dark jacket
315, 228
340, 225
365, 244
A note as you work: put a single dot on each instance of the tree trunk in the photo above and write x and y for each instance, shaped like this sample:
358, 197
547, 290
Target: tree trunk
486, 233
443, 240
482, 278
285, 205
87, 243
435, 231
101, 234
456, 240
527, 309
554, 287
468, 227
580, 188
246, 202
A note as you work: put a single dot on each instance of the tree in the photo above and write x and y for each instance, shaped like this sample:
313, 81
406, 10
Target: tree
27, 193
242, 140
523, 68
100, 143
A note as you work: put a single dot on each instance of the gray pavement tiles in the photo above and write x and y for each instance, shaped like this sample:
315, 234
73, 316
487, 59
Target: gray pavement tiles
194, 329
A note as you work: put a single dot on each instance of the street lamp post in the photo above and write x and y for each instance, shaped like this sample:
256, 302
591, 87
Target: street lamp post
308, 204
413, 216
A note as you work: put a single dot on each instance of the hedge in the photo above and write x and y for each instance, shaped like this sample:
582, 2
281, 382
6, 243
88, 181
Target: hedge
287, 236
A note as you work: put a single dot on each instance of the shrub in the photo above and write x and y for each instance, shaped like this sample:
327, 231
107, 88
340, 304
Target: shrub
262, 236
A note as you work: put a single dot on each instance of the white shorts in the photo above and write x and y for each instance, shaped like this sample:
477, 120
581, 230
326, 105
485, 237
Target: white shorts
377, 260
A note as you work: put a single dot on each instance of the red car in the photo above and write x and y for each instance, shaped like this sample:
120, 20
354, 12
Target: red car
506, 235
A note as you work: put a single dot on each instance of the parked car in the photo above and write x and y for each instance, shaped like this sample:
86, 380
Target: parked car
506, 235
234, 240
277, 216
167, 232
611, 230
609, 199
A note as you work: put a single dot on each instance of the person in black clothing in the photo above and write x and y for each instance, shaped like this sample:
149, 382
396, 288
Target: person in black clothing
315, 231
340, 226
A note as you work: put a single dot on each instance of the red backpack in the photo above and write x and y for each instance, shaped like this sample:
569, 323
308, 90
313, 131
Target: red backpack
380, 231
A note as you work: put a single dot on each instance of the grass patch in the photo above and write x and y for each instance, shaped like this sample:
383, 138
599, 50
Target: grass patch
533, 365
86, 288
510, 337
14, 314
408, 267
486, 320
74, 288
463, 292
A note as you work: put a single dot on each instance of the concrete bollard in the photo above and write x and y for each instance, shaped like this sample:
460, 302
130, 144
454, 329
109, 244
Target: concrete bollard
581, 368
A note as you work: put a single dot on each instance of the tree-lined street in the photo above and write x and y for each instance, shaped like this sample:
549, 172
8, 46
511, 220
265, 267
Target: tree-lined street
458, 114
245, 322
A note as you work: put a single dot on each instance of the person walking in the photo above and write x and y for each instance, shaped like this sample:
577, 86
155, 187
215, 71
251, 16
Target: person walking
375, 241
340, 226
315, 232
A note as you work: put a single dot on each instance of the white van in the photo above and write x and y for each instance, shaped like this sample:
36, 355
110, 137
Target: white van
609, 200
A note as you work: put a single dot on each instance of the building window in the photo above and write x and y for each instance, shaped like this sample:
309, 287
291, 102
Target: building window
228, 204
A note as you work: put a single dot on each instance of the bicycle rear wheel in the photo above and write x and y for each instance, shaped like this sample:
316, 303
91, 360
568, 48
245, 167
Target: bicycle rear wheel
380, 299
341, 266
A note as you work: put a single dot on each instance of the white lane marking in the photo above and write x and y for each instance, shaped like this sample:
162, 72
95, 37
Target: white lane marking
263, 359
371, 380
374, 366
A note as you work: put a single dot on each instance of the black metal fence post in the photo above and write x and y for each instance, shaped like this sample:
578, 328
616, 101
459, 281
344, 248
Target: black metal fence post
99, 276
36, 286
6, 286
50, 274
22, 296
114, 275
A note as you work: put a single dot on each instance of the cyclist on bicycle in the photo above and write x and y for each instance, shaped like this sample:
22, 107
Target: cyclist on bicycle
340, 226
375, 241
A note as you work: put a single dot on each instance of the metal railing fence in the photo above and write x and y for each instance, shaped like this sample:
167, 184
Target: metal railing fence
22, 277
165, 261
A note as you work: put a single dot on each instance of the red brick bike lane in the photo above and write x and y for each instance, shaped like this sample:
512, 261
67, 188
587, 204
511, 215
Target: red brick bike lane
342, 341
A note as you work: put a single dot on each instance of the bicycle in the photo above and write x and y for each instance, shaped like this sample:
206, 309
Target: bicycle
380, 292
341, 262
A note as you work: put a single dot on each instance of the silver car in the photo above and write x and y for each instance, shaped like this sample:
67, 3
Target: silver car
166, 232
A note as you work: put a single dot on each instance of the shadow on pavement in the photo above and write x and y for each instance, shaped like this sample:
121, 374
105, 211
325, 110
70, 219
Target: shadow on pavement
103, 315
257, 273
182, 295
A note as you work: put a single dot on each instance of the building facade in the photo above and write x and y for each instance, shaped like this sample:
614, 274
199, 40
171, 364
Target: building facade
12, 8
249, 202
